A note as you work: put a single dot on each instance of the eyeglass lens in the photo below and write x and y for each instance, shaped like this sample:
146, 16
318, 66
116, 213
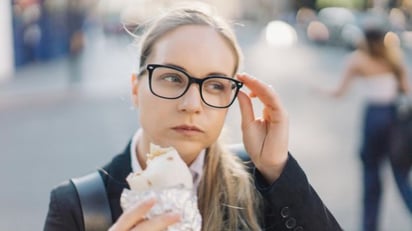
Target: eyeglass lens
171, 83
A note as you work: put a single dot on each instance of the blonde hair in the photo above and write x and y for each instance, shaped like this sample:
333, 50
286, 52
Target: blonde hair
228, 199
193, 14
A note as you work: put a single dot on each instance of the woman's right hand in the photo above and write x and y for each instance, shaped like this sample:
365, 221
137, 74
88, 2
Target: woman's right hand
134, 219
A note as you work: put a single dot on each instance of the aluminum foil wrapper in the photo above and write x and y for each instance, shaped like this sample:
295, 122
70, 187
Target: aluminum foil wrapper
176, 199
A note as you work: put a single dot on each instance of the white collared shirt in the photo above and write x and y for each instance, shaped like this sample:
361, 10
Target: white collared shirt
196, 168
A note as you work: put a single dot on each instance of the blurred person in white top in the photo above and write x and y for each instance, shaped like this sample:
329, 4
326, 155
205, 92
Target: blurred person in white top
378, 64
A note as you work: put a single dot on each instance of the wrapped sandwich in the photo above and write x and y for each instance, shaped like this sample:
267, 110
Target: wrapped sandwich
167, 178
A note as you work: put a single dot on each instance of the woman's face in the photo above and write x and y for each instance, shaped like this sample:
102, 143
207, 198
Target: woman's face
186, 123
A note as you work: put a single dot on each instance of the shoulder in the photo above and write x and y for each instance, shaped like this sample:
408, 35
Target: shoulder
356, 58
64, 209
64, 189
355, 62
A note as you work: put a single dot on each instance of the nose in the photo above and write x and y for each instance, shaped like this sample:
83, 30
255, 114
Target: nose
191, 101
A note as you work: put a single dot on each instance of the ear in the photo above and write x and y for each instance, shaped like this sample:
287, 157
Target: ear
134, 83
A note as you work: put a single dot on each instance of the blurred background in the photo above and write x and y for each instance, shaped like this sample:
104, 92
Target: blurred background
64, 94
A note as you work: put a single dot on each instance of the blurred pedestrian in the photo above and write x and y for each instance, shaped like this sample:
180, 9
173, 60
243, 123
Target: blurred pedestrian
76, 15
378, 64
187, 79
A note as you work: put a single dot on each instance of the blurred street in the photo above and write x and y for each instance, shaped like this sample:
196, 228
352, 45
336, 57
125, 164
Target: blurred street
54, 126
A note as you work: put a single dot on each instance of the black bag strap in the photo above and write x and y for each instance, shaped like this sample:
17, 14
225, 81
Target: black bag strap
93, 201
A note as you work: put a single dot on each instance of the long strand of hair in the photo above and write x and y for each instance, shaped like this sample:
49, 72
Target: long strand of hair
228, 198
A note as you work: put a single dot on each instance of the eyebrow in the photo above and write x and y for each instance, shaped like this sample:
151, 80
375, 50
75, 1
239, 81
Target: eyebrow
209, 74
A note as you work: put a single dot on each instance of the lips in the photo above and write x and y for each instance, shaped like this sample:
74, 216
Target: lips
187, 128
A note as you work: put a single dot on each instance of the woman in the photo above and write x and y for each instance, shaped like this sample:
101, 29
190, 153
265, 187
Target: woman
377, 62
188, 78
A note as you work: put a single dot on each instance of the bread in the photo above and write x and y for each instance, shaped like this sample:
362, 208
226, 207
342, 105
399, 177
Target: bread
165, 168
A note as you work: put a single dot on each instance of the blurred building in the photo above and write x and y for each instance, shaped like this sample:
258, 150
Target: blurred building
6, 41
45, 29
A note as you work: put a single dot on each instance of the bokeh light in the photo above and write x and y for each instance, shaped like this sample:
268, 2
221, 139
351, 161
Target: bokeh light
317, 31
280, 34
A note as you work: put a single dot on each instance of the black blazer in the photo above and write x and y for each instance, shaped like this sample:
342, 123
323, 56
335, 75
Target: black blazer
290, 203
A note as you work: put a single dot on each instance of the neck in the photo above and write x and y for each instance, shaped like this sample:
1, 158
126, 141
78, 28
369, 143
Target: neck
141, 150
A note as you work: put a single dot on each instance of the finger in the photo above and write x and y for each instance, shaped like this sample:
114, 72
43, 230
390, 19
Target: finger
158, 223
134, 215
264, 92
246, 109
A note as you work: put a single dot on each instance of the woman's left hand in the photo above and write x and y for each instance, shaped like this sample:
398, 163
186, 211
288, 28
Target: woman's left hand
265, 138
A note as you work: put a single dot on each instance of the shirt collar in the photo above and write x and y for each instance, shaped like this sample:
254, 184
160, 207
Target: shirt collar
196, 168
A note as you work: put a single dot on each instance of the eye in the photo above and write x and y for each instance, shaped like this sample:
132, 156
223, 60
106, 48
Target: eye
172, 77
217, 85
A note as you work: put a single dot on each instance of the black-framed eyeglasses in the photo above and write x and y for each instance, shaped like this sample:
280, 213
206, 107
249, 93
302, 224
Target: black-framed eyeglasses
170, 82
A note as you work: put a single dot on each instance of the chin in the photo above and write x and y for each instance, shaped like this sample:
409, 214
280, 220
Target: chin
188, 149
